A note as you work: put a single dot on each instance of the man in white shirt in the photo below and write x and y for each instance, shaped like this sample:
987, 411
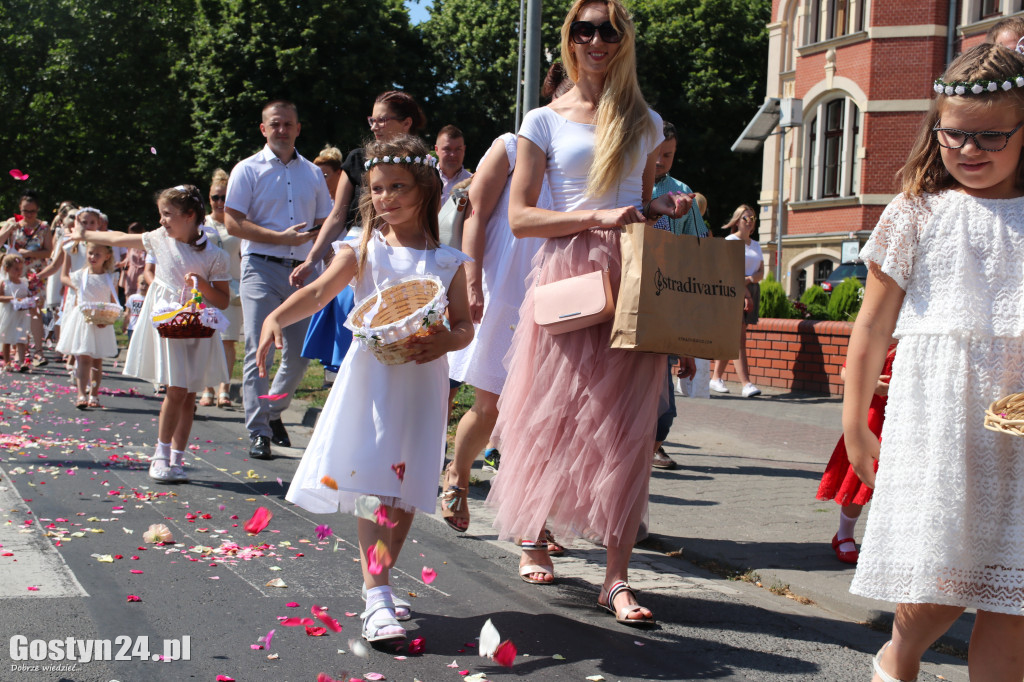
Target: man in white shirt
272, 196
451, 152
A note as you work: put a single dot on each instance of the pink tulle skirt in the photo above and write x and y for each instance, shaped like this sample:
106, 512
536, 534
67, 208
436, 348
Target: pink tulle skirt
576, 418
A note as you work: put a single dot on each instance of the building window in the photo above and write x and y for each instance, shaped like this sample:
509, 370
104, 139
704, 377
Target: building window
828, 19
822, 271
990, 8
833, 135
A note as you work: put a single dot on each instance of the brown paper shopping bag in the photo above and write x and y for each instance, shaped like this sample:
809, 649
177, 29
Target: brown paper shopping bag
679, 294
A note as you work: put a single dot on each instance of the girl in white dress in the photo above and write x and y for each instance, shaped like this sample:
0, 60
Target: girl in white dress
379, 444
183, 254
946, 531
14, 321
89, 343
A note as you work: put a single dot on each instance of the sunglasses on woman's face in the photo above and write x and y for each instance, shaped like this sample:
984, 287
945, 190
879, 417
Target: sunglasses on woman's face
217, 197
582, 32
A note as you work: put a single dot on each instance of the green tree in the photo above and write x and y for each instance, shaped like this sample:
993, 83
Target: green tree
473, 47
702, 65
88, 96
330, 58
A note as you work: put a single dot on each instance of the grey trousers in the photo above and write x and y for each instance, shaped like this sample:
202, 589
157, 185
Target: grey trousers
263, 287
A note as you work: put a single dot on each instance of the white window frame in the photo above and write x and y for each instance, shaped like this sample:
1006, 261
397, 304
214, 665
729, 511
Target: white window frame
812, 186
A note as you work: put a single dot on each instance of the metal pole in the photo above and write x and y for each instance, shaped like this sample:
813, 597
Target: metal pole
531, 86
519, 67
781, 210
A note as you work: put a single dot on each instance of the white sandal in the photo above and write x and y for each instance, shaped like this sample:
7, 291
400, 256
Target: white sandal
381, 627
403, 609
876, 662
160, 470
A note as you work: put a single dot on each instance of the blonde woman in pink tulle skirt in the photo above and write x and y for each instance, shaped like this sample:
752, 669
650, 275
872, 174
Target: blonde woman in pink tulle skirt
576, 424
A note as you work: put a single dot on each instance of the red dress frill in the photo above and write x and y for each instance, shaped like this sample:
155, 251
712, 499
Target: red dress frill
840, 482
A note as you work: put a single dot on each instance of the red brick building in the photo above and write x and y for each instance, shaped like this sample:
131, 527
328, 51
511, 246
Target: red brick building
864, 71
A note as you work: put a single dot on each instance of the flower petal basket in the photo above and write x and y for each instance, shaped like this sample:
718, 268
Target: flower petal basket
385, 320
1006, 415
101, 313
185, 325
193, 320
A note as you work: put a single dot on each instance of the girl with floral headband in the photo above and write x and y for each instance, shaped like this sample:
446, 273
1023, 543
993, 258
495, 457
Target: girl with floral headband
379, 444
185, 259
947, 528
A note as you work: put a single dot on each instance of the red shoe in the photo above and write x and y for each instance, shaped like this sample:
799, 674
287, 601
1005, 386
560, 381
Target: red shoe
846, 557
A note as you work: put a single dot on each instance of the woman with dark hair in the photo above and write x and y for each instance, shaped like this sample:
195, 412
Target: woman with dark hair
30, 237
576, 421
327, 340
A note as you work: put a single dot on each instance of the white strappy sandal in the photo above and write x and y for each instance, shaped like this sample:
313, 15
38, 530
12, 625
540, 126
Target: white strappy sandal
876, 662
379, 624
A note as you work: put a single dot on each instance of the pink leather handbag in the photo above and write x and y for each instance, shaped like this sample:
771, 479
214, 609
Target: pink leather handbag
574, 303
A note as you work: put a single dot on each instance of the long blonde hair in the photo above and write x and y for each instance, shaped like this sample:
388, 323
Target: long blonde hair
623, 120
427, 180
924, 170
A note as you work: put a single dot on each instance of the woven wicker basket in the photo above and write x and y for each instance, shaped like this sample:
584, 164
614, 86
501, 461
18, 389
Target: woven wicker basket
101, 313
1006, 415
185, 325
399, 302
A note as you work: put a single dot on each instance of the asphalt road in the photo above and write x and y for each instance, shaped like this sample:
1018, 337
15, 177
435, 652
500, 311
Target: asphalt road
75, 501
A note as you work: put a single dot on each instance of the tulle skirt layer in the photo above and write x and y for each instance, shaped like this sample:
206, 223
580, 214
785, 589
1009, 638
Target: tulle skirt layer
577, 418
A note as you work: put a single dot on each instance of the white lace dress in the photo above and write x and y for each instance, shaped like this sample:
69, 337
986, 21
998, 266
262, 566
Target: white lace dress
192, 364
506, 265
380, 420
78, 336
946, 524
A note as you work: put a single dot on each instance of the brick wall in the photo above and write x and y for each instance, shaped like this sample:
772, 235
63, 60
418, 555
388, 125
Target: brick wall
799, 355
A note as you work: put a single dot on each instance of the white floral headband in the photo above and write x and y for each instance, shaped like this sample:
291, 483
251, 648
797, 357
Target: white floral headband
427, 160
980, 86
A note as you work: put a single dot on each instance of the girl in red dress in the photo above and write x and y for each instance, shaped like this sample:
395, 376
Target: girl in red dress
840, 482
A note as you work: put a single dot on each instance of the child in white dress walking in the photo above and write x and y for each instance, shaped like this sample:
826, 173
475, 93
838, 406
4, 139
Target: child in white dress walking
14, 314
946, 531
89, 343
379, 444
183, 256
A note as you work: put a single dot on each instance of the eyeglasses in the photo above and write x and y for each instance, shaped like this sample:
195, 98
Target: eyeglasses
984, 140
218, 197
582, 32
380, 120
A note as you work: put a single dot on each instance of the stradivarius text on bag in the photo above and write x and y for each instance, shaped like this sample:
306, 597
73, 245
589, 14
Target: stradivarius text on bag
691, 286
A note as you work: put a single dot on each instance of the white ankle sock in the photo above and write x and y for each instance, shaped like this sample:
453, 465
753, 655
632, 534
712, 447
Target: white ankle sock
177, 458
847, 524
163, 451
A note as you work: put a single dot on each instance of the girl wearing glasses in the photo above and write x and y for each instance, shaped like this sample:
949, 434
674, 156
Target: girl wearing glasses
946, 531
576, 422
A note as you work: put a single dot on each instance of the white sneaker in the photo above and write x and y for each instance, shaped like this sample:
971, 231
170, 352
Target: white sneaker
750, 390
718, 386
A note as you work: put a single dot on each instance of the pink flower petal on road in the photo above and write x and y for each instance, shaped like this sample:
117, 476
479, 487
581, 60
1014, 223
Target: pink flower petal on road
273, 396
428, 575
316, 631
267, 638
33, 588
323, 531
135, 570
134, 597
417, 646
295, 622
292, 604
324, 677
373, 676
260, 518
505, 654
